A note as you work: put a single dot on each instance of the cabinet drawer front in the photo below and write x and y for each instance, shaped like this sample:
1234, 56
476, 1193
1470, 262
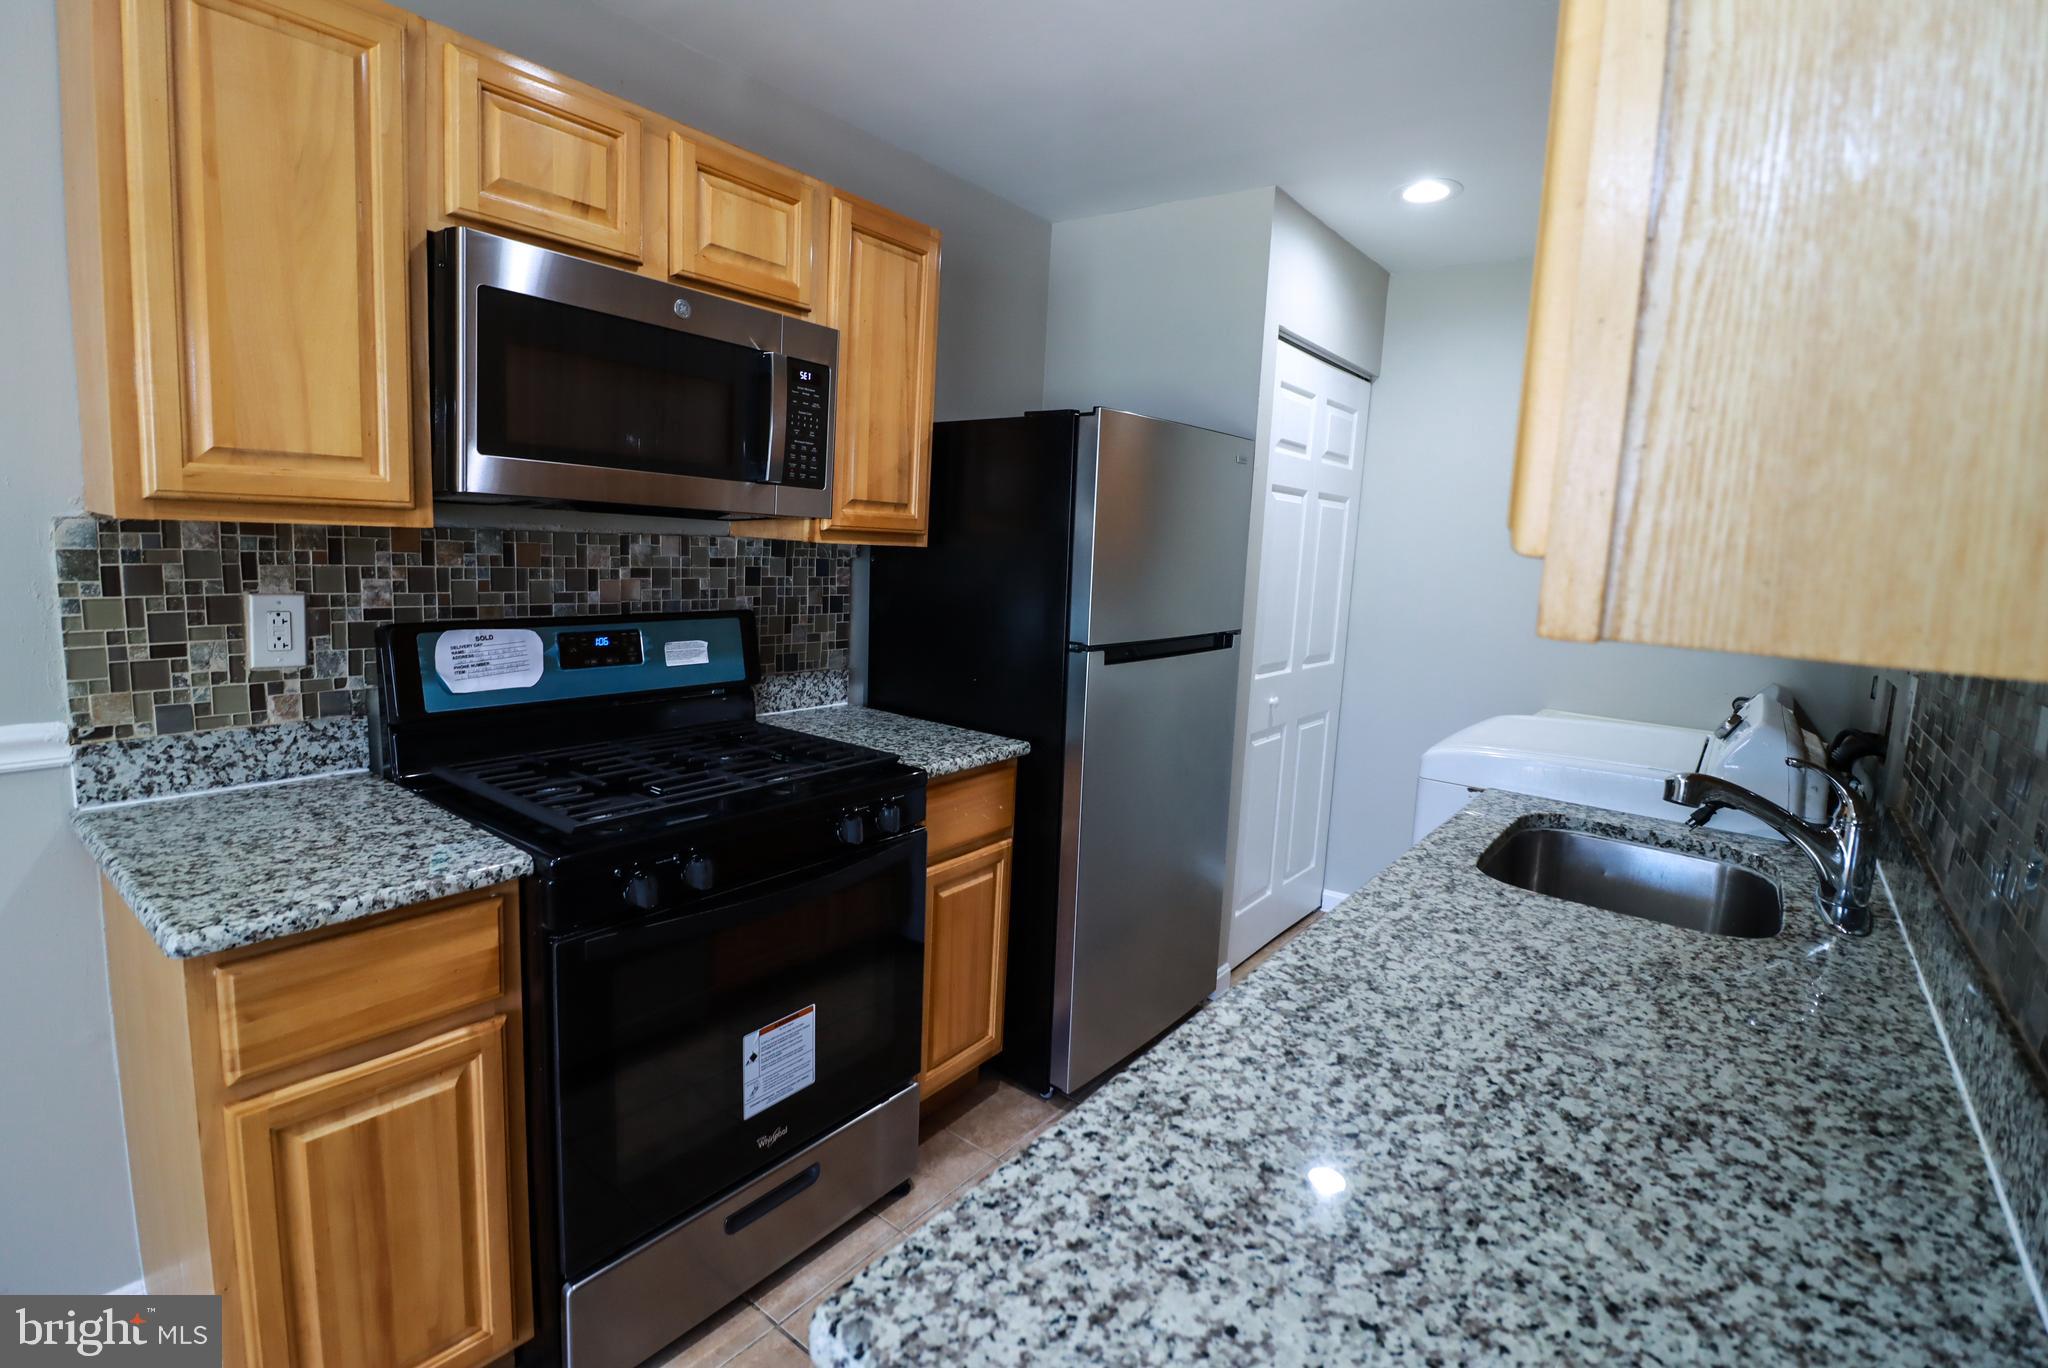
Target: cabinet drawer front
268, 251
525, 153
739, 220
373, 1210
970, 809
297, 1004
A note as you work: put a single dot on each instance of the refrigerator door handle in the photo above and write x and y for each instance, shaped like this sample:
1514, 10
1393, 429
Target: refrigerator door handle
1131, 652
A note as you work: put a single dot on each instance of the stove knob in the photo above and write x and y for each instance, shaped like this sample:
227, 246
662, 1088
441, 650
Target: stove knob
889, 818
642, 891
697, 872
852, 829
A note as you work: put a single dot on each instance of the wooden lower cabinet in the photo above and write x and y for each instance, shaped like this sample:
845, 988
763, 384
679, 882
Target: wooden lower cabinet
967, 931
371, 1206
356, 1198
968, 821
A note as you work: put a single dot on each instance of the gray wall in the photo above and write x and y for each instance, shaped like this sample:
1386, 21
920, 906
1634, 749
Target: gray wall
1161, 310
1324, 290
60, 1135
1443, 613
64, 1198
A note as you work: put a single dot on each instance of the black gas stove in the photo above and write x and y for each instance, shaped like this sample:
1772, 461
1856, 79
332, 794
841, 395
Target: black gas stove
723, 952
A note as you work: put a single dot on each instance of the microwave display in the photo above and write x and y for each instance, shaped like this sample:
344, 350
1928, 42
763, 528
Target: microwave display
560, 383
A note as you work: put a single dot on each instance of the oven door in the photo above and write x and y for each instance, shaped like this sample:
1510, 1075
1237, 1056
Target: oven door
694, 1050
558, 379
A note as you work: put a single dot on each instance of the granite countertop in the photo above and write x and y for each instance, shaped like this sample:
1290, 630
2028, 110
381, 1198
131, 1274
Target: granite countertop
933, 747
235, 867
1566, 1135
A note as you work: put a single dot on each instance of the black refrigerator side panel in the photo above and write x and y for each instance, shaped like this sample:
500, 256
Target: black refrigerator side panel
972, 630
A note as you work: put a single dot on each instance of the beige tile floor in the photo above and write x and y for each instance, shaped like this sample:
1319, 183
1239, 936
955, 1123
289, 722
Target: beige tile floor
962, 1143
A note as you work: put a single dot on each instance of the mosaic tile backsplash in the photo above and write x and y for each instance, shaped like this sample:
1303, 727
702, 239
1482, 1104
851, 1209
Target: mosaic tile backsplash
1975, 798
153, 614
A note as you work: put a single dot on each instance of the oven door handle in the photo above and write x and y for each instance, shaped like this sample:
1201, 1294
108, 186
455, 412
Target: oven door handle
814, 880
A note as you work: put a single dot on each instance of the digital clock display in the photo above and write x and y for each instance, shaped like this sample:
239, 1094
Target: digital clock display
612, 646
807, 376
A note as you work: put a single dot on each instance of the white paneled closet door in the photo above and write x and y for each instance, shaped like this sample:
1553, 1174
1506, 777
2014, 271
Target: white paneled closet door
1304, 557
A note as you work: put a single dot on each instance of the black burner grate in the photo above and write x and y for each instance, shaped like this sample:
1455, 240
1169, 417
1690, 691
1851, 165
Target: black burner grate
673, 776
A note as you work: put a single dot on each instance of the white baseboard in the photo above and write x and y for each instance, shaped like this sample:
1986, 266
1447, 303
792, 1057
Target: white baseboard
33, 746
1331, 897
1222, 982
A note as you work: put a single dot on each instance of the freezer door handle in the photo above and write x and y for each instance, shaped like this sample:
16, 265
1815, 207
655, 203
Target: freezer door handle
1131, 652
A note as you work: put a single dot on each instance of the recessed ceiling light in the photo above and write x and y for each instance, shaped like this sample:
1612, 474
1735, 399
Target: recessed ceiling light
1429, 190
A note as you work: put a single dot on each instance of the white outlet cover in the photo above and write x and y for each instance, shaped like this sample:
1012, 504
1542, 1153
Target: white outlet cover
289, 627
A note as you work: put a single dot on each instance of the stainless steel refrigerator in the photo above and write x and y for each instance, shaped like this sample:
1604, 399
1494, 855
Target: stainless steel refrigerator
1083, 590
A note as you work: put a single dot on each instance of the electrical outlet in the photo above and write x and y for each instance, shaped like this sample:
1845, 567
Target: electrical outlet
276, 631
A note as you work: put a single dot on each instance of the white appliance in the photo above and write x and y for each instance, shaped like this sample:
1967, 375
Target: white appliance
1611, 763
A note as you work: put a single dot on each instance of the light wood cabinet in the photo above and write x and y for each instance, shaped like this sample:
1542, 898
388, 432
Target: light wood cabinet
1788, 368
967, 925
372, 1205
524, 150
885, 303
968, 822
743, 222
249, 186
327, 1131
236, 177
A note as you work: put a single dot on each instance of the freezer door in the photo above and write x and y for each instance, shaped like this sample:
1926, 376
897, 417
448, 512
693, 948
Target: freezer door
1144, 819
1162, 513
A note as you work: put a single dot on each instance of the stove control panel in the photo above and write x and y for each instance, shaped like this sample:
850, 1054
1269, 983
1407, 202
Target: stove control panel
666, 876
874, 821
805, 452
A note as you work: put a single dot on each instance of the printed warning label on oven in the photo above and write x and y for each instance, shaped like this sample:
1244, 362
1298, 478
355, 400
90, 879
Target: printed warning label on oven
478, 659
778, 1060
686, 653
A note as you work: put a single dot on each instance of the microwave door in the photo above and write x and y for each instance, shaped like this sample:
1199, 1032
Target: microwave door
560, 380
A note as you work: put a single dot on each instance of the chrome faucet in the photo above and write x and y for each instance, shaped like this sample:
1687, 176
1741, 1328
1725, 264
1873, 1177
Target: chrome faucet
1840, 850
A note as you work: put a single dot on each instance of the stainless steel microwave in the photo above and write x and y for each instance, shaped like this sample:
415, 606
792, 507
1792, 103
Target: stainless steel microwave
559, 381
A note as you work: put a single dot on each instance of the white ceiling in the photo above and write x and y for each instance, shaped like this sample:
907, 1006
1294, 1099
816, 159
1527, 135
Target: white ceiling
1072, 108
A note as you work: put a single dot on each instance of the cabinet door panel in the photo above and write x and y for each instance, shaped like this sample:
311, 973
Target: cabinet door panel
885, 285
268, 231
1800, 411
742, 221
967, 931
522, 152
371, 1210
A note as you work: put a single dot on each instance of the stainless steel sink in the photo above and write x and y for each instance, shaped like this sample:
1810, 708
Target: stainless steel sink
1638, 880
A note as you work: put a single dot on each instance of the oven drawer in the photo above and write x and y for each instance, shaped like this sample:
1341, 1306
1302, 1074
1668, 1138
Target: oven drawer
286, 1006
621, 1314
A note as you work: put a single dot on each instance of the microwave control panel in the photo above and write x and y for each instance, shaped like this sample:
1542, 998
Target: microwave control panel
804, 453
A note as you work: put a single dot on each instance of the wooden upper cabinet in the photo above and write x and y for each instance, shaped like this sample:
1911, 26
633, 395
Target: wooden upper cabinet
525, 150
1800, 290
743, 222
237, 182
371, 1201
885, 304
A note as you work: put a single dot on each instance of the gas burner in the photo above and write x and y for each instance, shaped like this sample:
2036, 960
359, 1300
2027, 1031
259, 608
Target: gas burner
663, 778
